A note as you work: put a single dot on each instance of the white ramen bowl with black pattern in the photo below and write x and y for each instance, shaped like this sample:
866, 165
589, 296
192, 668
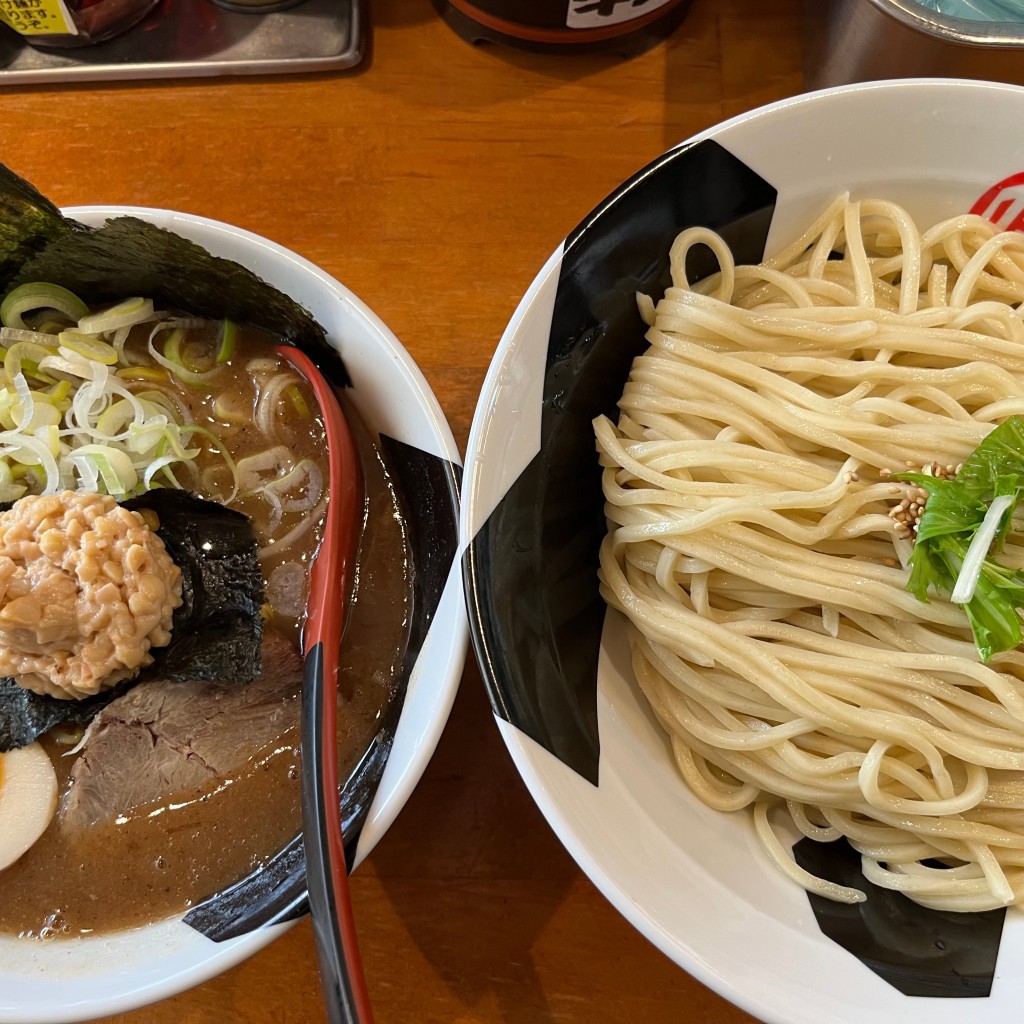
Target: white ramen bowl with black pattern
695, 881
78, 979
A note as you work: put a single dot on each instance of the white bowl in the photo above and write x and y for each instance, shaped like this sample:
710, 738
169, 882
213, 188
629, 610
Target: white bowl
694, 881
83, 978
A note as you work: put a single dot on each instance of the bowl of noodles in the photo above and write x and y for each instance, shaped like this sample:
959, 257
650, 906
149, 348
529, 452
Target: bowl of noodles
169, 847
748, 461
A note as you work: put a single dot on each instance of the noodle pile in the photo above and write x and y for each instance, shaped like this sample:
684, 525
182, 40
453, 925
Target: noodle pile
751, 545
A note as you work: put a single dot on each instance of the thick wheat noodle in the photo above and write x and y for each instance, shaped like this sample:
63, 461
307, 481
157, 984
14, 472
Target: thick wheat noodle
750, 545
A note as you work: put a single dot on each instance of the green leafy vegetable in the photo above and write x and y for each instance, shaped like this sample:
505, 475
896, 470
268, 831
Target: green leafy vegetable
953, 514
996, 466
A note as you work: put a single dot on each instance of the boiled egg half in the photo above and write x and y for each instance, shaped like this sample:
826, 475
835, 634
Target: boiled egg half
28, 800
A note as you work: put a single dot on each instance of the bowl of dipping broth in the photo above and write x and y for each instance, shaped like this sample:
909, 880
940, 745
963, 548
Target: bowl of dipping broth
174, 849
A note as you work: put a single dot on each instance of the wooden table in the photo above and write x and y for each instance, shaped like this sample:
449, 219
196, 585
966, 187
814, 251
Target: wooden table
434, 181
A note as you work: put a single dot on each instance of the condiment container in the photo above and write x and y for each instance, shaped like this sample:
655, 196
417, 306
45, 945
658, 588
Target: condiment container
565, 26
66, 23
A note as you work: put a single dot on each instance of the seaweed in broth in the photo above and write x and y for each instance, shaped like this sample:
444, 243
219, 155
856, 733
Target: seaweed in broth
163, 858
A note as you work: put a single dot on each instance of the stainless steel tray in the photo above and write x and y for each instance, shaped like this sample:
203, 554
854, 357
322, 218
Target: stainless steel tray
191, 38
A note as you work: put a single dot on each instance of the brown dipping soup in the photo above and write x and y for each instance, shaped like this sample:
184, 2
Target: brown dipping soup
160, 859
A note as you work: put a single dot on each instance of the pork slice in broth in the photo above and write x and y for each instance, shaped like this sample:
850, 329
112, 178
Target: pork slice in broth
165, 740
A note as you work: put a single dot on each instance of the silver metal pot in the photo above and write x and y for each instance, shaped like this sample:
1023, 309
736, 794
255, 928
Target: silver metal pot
863, 40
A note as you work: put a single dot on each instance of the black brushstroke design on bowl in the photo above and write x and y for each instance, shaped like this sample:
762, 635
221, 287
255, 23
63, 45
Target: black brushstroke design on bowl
920, 952
531, 571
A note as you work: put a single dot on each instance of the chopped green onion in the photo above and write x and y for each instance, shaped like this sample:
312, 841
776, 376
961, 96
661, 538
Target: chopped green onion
298, 402
977, 551
28, 297
195, 428
72, 343
233, 407
266, 410
156, 466
61, 368
49, 434
59, 392
12, 334
305, 479
171, 358
9, 490
167, 402
30, 353
226, 344
81, 406
168, 472
254, 470
50, 327
115, 418
197, 357
124, 314
150, 374
113, 467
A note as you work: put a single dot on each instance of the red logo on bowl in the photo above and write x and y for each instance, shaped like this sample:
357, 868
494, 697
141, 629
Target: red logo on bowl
1003, 204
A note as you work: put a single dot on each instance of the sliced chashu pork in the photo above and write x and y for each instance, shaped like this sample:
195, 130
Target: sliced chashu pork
165, 740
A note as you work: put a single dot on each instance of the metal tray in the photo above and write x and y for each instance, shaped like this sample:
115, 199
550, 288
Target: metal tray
191, 38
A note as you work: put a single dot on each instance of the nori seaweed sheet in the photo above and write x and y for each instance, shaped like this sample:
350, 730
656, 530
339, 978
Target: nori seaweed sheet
218, 629
28, 221
128, 256
25, 716
216, 633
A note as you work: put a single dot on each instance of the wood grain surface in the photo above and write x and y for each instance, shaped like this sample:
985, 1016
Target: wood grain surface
434, 181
